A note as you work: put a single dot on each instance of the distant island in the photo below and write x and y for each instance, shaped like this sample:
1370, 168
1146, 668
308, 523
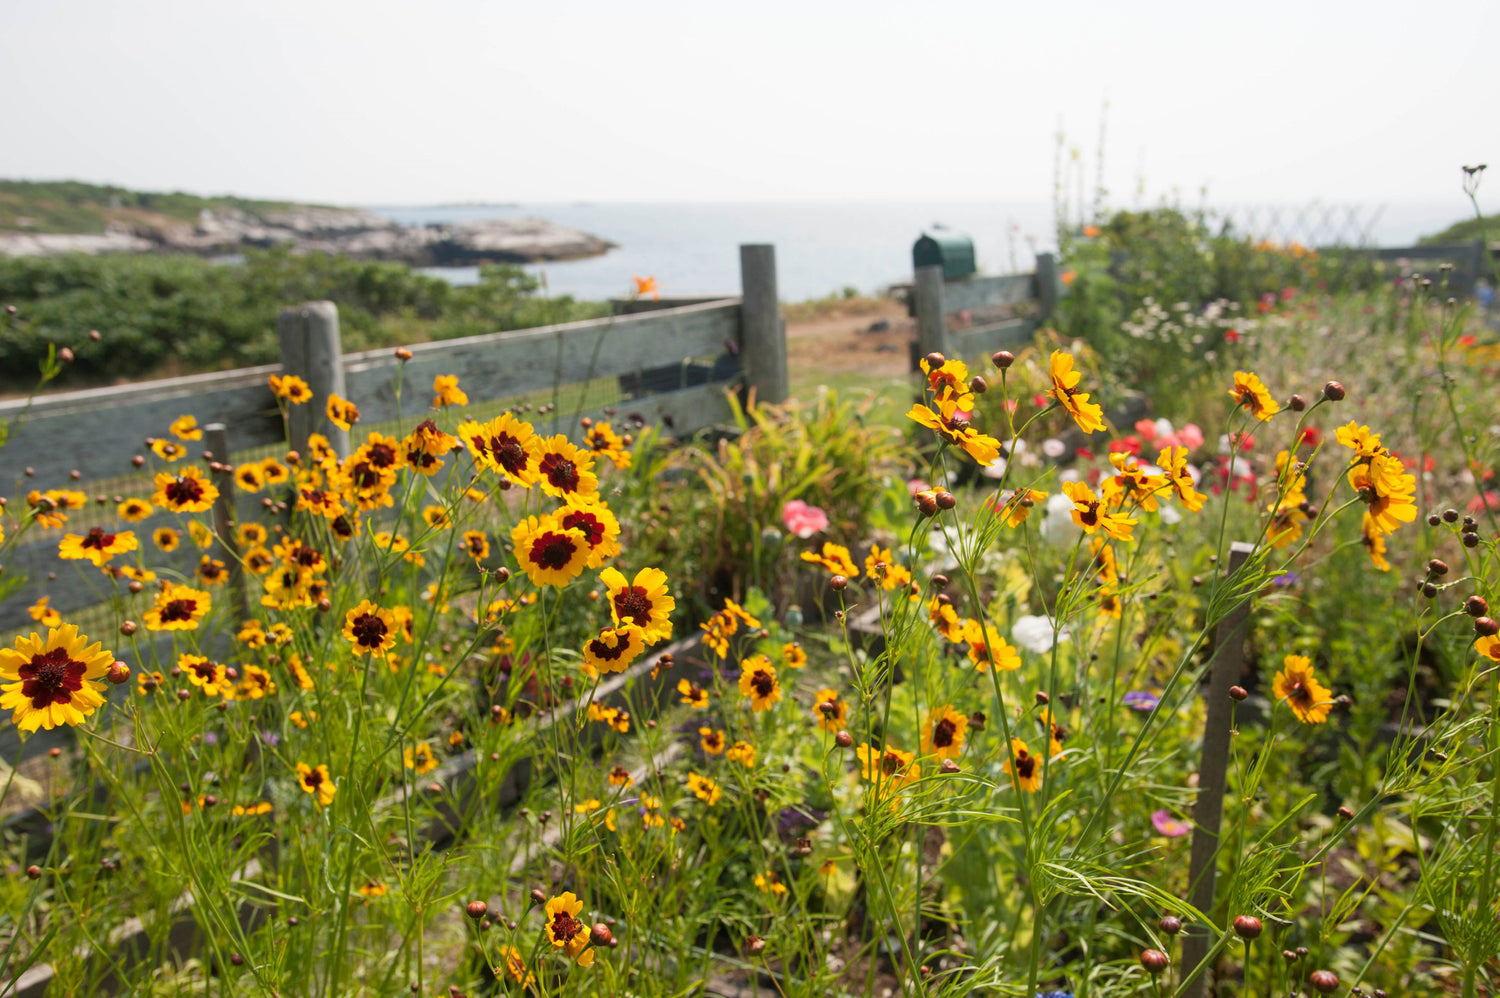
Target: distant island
46, 218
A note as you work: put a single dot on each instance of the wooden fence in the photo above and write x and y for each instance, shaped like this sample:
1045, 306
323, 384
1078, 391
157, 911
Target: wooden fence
978, 315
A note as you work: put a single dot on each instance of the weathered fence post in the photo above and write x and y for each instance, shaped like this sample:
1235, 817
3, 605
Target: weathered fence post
1208, 810
310, 349
216, 437
1048, 284
762, 333
932, 323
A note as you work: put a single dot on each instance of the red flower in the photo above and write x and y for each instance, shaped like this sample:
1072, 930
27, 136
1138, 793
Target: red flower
1084, 453
1130, 445
1231, 336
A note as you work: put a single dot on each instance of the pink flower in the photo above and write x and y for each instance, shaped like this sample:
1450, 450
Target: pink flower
802, 519
1491, 499
1190, 437
1147, 429
1169, 826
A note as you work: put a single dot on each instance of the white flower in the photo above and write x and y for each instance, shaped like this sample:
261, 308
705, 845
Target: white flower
1054, 447
1169, 515
1036, 633
1057, 525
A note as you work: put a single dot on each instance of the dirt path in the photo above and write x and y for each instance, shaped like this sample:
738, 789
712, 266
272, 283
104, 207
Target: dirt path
842, 340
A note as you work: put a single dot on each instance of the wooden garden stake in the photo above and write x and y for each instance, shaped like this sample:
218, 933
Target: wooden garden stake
762, 334
932, 322
311, 350
1208, 811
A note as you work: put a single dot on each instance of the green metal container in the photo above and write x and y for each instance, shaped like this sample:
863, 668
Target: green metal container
953, 251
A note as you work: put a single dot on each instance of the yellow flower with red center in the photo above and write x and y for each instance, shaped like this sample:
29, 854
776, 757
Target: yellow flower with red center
704, 789
835, 558
166, 538
711, 741
950, 379
43, 614
613, 716
505, 445
597, 524
255, 684
951, 421
1488, 646
1173, 461
1390, 492
420, 757
248, 478
1309, 699
613, 650
945, 619
515, 966
168, 450
987, 648
209, 676
1250, 394
830, 712
565, 931
290, 387
693, 695
185, 492
889, 769
133, 510
341, 412
97, 546
767, 883
425, 446
177, 608
563, 470
49, 505
619, 776
1088, 415
52, 681
1090, 514
607, 444
792, 655
1019, 504
1132, 483
370, 629
372, 889
1025, 769
251, 534
476, 545
758, 682
643, 601
1359, 439
448, 392
316, 781
943, 732
185, 428
211, 572
273, 471
1374, 542
549, 553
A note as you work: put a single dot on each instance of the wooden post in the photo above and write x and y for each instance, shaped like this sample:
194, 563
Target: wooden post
1208, 810
310, 349
1048, 285
932, 322
1476, 266
762, 333
216, 437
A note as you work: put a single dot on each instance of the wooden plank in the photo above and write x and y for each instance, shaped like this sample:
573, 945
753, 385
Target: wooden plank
762, 335
981, 341
988, 292
932, 309
496, 365
97, 430
1208, 809
1049, 286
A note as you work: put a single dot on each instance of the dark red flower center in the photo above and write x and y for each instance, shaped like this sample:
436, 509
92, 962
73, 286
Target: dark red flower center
476, 546
565, 926
381, 455
365, 475
713, 740
369, 630
942, 733
553, 551
591, 525
181, 491
602, 649
1025, 764
51, 677
205, 670
210, 570
890, 764
97, 538
179, 610
305, 556
508, 453
633, 604
1089, 516
560, 471
312, 780
762, 683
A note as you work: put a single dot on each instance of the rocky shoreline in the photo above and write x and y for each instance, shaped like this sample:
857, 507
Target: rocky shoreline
352, 232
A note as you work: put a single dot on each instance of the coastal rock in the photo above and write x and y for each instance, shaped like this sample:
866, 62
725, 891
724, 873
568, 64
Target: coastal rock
352, 232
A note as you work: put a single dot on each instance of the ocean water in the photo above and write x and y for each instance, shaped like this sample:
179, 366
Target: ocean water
823, 247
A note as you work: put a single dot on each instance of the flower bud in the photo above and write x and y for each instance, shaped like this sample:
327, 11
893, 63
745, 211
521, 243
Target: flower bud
1437, 568
1486, 627
945, 499
838, 583
926, 502
118, 673
1042, 698
538, 896
1155, 961
325, 604
1346, 812
1289, 955
128, 628
1325, 982
977, 720
1475, 606
1450, 515
755, 944
978, 385
1247, 926
1333, 391
1238, 693
476, 910
1296, 403
936, 360
1003, 359
1170, 924
843, 739
1433, 519
948, 766
403, 354
33, 872
1471, 540
65, 355
600, 935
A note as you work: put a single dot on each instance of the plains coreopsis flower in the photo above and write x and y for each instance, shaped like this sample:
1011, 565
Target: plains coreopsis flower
97, 546
52, 681
563, 470
943, 732
316, 781
1173, 461
1390, 492
1090, 514
1250, 394
549, 553
291, 388
448, 392
370, 629
987, 648
614, 649
1024, 768
1088, 415
341, 412
888, 768
643, 601
133, 510
597, 523
565, 931
505, 445
830, 712
177, 608
758, 682
185, 492
951, 421
835, 558
1309, 699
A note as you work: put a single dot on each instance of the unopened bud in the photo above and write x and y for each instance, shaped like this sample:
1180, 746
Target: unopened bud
1238, 693
128, 628
118, 673
1486, 627
1247, 926
600, 935
1333, 391
838, 583
1155, 961
1475, 606
1296, 403
843, 739
476, 910
978, 385
1003, 359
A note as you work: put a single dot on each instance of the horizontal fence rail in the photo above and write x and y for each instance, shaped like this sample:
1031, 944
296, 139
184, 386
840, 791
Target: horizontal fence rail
993, 313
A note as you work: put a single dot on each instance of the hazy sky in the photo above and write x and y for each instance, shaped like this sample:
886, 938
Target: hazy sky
372, 102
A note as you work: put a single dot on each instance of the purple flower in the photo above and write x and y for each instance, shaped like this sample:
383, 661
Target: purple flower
210, 738
1141, 700
1165, 824
271, 738
1286, 579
